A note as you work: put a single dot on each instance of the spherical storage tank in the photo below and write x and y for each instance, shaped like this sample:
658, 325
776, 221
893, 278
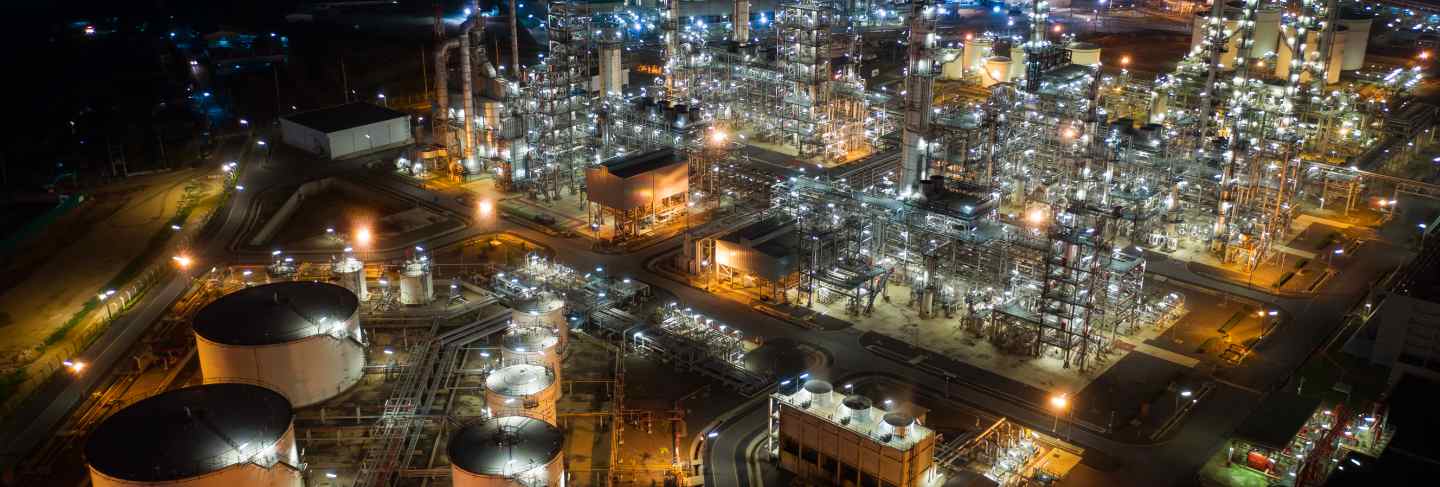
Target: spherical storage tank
507, 451
302, 339
543, 309
522, 389
221, 435
417, 286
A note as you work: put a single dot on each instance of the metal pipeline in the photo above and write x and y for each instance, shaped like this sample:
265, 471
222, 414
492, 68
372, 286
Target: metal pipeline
442, 86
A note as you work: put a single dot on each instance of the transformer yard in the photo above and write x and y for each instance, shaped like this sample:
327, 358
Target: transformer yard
796, 242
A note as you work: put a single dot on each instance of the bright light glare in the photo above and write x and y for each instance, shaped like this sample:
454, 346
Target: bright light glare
362, 236
1059, 401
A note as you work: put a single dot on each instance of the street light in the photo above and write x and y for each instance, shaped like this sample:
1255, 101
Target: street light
1059, 403
183, 261
362, 236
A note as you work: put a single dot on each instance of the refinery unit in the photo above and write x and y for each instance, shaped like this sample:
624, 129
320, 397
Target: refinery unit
1007, 186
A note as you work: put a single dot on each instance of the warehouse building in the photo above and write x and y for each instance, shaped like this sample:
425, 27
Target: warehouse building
347, 130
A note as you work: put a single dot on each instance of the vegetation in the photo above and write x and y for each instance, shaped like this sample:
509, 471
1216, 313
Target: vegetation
10, 382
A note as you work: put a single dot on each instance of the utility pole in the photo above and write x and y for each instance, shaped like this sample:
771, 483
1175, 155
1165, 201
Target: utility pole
344, 82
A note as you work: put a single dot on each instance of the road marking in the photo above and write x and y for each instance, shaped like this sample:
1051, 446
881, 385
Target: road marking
1162, 354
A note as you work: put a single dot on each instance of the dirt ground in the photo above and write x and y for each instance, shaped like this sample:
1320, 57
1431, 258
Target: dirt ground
79, 254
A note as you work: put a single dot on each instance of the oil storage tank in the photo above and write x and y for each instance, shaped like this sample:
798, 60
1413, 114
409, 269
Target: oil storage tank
509, 451
522, 389
302, 339
532, 344
417, 285
222, 435
349, 272
543, 309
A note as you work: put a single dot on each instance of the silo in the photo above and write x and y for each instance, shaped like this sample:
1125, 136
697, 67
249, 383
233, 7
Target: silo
230, 435
349, 272
511, 451
300, 338
975, 53
532, 344
1084, 53
997, 70
417, 286
522, 389
1357, 39
543, 309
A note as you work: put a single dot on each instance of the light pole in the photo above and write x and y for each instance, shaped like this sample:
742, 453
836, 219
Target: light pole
1059, 403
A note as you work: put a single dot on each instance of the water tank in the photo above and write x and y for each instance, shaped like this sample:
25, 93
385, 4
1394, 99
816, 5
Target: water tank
997, 70
899, 423
417, 286
533, 344
1084, 53
300, 338
1357, 40
543, 309
511, 451
522, 389
856, 408
236, 435
349, 273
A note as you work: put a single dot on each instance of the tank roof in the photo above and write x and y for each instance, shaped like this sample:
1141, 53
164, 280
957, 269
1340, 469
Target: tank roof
487, 447
188, 432
275, 313
519, 380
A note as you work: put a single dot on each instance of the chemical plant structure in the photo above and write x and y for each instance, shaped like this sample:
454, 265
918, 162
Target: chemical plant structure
1006, 188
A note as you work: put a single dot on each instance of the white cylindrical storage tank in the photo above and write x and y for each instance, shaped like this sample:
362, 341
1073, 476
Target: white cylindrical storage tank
899, 423
214, 435
1017, 63
511, 451
417, 286
976, 51
532, 344
522, 389
1266, 33
543, 309
1084, 53
855, 409
953, 64
300, 338
349, 273
997, 70
1357, 39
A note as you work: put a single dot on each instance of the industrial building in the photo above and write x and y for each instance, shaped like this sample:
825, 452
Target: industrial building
237, 435
634, 193
346, 130
301, 339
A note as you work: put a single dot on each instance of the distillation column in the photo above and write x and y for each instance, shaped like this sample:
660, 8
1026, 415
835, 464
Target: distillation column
740, 19
611, 70
919, 96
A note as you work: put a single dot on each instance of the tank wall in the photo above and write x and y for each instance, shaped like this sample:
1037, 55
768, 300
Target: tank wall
281, 474
417, 288
552, 472
1266, 33
305, 371
551, 316
355, 282
1085, 56
975, 53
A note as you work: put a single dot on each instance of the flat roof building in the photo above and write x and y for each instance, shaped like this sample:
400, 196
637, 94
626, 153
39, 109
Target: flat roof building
346, 130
